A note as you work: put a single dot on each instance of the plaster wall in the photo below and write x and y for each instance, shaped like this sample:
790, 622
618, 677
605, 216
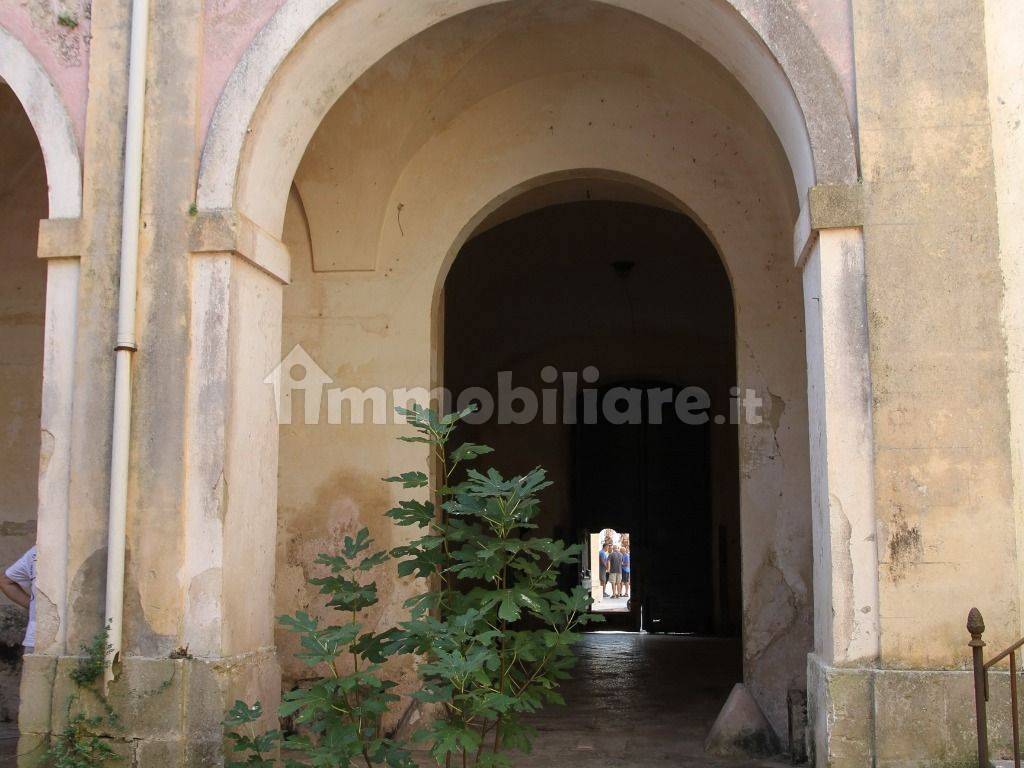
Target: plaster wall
482, 111
280, 92
938, 106
89, 435
53, 133
173, 577
943, 462
831, 21
845, 581
660, 111
230, 26
155, 614
1005, 62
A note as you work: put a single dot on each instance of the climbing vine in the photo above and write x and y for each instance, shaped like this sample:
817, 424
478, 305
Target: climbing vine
80, 744
85, 740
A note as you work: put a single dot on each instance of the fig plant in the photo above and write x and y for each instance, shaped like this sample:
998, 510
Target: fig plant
491, 632
494, 630
340, 715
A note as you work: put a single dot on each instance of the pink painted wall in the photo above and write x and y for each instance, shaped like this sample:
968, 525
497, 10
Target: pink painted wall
831, 21
230, 25
62, 51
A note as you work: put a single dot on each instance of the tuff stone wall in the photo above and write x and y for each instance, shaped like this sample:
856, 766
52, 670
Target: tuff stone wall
939, 301
170, 709
935, 288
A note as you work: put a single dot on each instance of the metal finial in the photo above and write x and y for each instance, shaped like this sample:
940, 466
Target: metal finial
975, 623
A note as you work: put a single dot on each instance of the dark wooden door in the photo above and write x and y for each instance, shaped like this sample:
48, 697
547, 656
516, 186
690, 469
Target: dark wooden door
652, 481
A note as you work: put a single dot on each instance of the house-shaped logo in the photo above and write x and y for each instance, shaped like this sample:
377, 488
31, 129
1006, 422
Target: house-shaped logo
298, 371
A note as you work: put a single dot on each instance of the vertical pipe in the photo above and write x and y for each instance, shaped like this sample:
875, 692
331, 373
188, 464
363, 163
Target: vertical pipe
125, 344
1013, 709
976, 626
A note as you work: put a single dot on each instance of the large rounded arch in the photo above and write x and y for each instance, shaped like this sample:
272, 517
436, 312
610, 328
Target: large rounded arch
51, 122
290, 77
374, 320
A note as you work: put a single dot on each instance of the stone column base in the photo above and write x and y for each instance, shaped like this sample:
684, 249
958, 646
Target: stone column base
900, 718
168, 711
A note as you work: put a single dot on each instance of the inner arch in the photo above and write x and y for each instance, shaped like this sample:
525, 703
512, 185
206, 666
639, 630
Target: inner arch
636, 293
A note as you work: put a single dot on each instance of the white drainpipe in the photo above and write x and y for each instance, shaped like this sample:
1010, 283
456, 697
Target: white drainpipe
126, 346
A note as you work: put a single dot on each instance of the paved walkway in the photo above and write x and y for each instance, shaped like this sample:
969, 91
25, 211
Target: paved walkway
8, 745
635, 701
640, 700
611, 605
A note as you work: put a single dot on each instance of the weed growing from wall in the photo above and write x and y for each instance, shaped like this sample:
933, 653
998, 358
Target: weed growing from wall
79, 744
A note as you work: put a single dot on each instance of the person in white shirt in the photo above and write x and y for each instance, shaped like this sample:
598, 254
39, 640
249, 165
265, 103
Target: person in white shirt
18, 583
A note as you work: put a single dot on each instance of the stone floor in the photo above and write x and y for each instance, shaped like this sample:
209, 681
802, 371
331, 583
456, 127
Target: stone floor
611, 605
8, 745
635, 701
640, 701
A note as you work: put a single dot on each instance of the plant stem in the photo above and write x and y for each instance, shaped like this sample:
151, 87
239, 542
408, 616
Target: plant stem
445, 473
484, 728
503, 670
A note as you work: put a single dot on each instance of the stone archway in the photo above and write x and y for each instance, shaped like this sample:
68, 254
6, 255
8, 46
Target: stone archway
58, 244
280, 91
50, 120
502, 142
41, 177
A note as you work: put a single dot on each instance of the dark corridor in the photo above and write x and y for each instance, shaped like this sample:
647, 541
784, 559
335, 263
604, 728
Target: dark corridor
602, 293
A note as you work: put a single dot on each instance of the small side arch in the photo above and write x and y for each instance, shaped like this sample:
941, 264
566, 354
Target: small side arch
55, 134
51, 123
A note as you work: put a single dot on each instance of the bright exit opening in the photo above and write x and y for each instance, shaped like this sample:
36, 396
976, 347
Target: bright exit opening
608, 571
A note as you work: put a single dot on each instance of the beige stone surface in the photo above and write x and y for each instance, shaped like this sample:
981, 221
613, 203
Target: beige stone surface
1005, 59
920, 717
169, 710
88, 484
741, 728
935, 285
